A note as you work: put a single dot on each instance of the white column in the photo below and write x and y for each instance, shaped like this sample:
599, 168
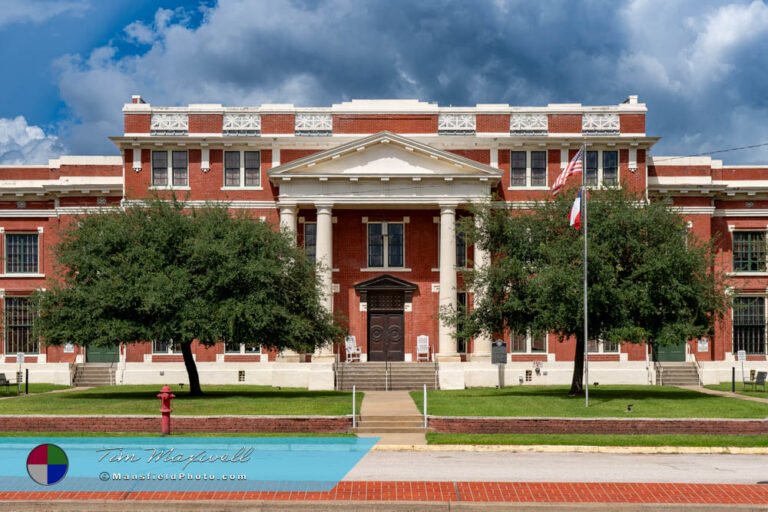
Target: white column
288, 219
481, 348
447, 349
288, 224
324, 257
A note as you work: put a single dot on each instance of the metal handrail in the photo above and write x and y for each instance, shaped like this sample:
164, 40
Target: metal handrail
437, 371
386, 375
698, 369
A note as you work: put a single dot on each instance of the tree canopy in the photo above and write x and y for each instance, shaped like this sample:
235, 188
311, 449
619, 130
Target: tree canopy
164, 272
650, 280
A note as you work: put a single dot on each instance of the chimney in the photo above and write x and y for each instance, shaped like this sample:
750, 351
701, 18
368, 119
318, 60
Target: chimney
631, 99
138, 99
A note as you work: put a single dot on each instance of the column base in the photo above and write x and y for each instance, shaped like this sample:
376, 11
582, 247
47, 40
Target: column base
480, 358
324, 358
448, 358
288, 356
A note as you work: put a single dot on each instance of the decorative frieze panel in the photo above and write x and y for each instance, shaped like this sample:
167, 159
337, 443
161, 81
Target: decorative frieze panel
314, 124
169, 124
528, 124
242, 124
456, 124
602, 124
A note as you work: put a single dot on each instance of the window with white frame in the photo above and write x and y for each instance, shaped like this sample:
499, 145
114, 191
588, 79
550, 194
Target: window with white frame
310, 240
166, 347
602, 168
235, 347
528, 169
386, 244
749, 325
749, 251
602, 347
528, 343
170, 169
21, 253
242, 169
18, 326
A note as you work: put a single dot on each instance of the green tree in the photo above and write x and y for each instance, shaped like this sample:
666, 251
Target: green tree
163, 272
649, 279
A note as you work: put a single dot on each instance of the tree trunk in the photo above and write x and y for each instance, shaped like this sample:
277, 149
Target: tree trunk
189, 363
577, 383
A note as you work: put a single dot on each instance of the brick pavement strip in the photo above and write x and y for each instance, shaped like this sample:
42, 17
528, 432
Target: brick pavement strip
436, 492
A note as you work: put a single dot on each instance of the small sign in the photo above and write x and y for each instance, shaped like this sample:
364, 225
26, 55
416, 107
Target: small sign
703, 345
20, 357
498, 352
69, 348
741, 355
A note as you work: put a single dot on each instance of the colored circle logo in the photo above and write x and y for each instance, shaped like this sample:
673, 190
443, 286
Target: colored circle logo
47, 464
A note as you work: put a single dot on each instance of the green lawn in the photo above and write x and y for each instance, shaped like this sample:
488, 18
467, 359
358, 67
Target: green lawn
33, 389
604, 401
217, 400
726, 386
600, 440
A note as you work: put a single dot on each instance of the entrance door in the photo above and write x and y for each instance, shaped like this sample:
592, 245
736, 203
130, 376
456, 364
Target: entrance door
670, 353
97, 354
385, 337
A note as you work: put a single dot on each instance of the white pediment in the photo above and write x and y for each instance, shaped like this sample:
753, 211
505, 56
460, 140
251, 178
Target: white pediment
385, 155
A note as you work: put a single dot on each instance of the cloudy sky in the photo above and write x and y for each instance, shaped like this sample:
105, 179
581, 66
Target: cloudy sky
69, 65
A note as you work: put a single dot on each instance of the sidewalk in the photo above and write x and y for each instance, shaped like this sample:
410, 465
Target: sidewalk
414, 496
727, 394
392, 404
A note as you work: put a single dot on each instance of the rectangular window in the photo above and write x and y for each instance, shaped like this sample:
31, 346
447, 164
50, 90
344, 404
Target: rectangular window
749, 324
235, 347
21, 253
461, 251
18, 326
461, 305
310, 240
232, 347
749, 251
528, 342
180, 171
375, 245
166, 347
538, 168
159, 168
602, 346
252, 169
518, 167
395, 243
386, 244
592, 168
610, 168
231, 168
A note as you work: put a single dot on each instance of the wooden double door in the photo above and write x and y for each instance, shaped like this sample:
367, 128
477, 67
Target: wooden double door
386, 339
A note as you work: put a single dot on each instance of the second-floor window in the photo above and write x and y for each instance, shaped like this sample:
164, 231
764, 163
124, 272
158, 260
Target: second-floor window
170, 169
749, 251
21, 253
528, 343
528, 169
310, 240
386, 244
603, 168
242, 168
602, 346
166, 347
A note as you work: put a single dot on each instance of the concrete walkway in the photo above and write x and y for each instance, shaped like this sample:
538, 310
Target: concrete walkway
727, 394
392, 404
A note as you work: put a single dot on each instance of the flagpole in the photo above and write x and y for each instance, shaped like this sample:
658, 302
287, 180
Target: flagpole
586, 307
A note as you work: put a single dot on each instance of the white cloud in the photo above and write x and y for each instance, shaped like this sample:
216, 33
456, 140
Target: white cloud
37, 11
21, 143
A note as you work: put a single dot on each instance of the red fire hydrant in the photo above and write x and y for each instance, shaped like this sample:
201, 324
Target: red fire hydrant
165, 397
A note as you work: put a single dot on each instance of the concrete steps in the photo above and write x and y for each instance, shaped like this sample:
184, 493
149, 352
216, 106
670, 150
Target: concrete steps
374, 377
92, 375
677, 374
391, 425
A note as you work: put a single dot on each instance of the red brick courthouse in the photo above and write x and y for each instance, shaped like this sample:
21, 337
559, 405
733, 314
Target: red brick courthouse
373, 189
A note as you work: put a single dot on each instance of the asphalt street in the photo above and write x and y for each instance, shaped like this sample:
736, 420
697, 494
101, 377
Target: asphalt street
560, 467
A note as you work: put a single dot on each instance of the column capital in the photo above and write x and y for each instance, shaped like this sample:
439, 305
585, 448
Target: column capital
324, 208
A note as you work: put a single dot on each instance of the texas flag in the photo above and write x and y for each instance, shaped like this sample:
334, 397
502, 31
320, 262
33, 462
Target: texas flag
576, 212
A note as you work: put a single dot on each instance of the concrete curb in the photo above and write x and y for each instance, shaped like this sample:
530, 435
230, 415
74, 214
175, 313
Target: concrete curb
650, 450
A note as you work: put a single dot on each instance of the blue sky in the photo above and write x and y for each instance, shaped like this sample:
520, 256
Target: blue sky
70, 64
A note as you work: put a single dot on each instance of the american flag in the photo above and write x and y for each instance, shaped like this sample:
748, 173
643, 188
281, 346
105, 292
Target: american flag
575, 166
